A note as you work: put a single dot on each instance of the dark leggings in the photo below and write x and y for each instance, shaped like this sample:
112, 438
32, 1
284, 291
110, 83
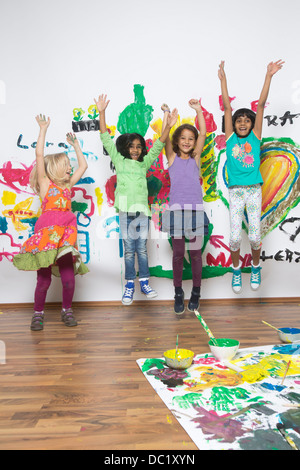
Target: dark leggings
196, 260
66, 270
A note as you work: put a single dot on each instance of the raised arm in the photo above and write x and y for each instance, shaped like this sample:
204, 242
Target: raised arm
196, 105
170, 119
82, 164
170, 154
42, 178
226, 101
272, 68
102, 104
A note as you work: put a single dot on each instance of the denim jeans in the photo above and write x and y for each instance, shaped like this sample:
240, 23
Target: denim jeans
134, 231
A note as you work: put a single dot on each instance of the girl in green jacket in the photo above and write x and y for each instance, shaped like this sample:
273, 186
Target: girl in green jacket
132, 162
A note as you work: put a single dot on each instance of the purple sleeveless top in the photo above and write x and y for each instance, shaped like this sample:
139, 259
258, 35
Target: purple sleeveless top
186, 191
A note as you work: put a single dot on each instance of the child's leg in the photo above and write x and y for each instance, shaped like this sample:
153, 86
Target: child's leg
253, 206
139, 230
236, 212
129, 257
129, 246
66, 269
42, 286
254, 202
195, 250
178, 256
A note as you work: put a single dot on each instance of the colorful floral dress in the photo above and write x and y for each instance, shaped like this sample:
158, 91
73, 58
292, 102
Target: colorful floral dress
55, 234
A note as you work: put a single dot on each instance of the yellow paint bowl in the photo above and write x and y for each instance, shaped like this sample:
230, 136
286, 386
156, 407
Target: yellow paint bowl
182, 360
225, 350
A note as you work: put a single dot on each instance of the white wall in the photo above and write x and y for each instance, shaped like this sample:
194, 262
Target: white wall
58, 56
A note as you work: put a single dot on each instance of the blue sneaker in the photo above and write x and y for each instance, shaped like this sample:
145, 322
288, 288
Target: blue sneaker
237, 281
128, 294
255, 278
147, 290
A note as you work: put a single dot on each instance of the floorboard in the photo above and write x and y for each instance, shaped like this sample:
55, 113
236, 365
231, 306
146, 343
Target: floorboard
80, 388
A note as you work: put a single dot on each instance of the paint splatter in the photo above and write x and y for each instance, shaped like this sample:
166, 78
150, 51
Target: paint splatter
215, 427
99, 196
8, 198
136, 116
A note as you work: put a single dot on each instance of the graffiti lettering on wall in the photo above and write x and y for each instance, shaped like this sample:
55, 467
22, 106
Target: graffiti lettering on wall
280, 163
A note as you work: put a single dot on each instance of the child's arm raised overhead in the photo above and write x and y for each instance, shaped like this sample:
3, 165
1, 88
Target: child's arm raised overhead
272, 68
226, 101
170, 154
42, 178
196, 105
82, 164
170, 121
102, 104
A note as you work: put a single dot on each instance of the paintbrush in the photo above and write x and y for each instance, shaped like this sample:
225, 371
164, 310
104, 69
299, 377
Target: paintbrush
286, 371
211, 336
176, 351
274, 327
285, 435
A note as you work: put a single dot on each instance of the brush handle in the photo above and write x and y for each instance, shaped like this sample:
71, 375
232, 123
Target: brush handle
204, 325
274, 327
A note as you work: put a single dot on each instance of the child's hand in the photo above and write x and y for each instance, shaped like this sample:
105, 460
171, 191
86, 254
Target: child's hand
273, 67
195, 104
165, 107
42, 122
172, 118
102, 103
72, 139
221, 72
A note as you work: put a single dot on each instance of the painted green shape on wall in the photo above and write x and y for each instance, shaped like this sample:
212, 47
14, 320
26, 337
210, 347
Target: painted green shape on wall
79, 206
137, 116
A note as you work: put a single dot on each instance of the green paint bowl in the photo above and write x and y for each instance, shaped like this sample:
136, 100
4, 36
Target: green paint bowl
225, 350
182, 360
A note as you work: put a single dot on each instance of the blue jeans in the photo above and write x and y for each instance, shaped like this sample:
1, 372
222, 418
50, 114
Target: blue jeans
134, 231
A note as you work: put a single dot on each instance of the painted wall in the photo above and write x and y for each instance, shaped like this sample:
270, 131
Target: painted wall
56, 57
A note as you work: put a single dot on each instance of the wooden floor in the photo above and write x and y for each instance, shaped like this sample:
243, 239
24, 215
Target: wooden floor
80, 388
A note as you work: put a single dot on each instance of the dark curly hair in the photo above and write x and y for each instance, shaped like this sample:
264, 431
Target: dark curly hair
177, 134
124, 141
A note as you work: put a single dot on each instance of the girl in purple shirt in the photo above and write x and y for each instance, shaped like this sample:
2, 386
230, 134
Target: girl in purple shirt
184, 219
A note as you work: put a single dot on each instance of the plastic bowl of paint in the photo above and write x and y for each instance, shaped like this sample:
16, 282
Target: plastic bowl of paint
289, 335
224, 348
182, 360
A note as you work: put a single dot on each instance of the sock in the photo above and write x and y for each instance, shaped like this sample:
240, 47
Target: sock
258, 266
239, 267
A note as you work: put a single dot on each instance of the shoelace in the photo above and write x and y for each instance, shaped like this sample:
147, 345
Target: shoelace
128, 291
147, 288
236, 279
255, 277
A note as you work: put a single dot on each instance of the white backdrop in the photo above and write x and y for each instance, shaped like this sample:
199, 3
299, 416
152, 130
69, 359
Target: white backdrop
58, 56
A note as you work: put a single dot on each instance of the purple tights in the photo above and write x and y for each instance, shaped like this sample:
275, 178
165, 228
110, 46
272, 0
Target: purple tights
196, 260
66, 269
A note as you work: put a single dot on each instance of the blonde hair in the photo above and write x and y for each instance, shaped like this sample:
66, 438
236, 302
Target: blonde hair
53, 164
